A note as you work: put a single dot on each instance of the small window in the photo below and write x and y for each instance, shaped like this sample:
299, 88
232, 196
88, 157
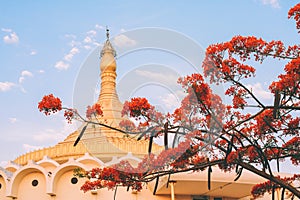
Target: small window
218, 198
74, 180
34, 183
0, 185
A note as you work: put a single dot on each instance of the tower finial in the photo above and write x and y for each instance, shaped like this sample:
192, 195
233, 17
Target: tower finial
107, 33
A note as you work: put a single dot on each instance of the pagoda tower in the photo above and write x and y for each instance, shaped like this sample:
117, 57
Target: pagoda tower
108, 98
100, 142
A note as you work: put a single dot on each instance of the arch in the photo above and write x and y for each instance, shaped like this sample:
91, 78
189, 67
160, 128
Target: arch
12, 166
134, 161
5, 174
48, 163
59, 171
129, 156
113, 161
90, 161
16, 179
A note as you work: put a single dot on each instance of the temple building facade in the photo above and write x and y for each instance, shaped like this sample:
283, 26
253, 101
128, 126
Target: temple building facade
47, 174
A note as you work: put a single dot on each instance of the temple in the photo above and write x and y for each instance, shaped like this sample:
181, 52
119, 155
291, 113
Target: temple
47, 174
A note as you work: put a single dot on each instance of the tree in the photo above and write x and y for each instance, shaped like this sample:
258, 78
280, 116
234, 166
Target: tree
245, 134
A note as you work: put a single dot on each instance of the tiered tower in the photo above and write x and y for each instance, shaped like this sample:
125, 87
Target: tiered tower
98, 141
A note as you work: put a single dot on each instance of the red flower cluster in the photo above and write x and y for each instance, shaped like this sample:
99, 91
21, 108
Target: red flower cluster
295, 13
93, 110
127, 125
239, 95
219, 68
244, 153
289, 83
69, 115
293, 126
49, 104
109, 177
261, 188
136, 107
264, 122
232, 157
272, 153
293, 147
197, 91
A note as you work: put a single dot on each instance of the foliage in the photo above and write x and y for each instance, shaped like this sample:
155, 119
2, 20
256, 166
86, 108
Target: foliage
244, 134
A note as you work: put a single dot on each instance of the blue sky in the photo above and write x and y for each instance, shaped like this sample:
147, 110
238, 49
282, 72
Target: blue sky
44, 44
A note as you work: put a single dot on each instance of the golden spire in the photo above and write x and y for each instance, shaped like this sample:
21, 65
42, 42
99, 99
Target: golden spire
108, 97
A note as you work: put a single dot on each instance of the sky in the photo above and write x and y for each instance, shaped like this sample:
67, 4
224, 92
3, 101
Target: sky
46, 46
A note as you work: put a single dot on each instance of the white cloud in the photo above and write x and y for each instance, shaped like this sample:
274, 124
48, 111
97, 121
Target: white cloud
74, 50
70, 55
74, 43
92, 33
70, 36
168, 79
28, 147
7, 30
123, 41
61, 65
170, 101
99, 27
11, 38
259, 91
122, 30
25, 74
33, 52
12, 120
5, 86
273, 3
87, 47
97, 44
88, 39
21, 79
41, 71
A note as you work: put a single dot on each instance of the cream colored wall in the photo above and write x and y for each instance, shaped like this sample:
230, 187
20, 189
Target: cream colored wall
55, 183
27, 192
66, 190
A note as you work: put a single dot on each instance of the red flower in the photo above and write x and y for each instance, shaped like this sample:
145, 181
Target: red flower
136, 107
69, 114
93, 110
50, 104
295, 13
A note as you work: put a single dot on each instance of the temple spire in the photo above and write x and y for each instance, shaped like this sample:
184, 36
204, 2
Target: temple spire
107, 47
108, 97
107, 33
